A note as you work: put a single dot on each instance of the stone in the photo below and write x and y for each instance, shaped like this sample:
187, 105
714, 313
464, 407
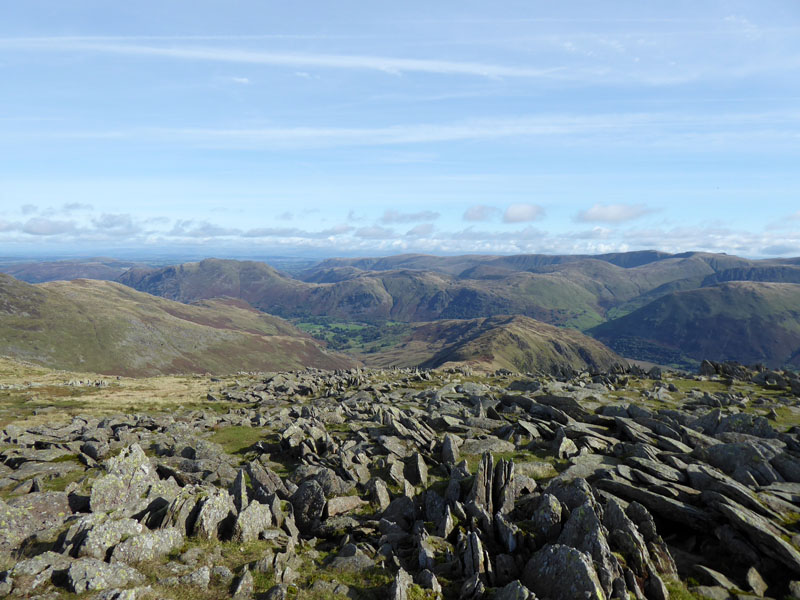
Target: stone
26, 515
450, 451
214, 516
341, 505
309, 505
762, 534
148, 546
129, 478
251, 522
755, 582
559, 572
547, 517
379, 493
244, 586
416, 471
90, 574
514, 591
102, 536
584, 531
399, 589
487, 444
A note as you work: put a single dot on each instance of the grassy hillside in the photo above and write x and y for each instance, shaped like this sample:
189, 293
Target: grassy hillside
744, 321
109, 328
514, 343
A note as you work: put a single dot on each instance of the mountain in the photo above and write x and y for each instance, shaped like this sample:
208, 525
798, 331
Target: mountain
110, 328
108, 269
406, 295
511, 342
749, 322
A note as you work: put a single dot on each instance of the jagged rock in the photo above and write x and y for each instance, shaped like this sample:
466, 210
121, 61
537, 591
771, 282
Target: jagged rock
756, 583
343, 504
309, 505
379, 493
129, 477
481, 493
90, 574
24, 516
399, 590
547, 517
251, 522
562, 573
514, 591
416, 471
663, 506
402, 512
562, 446
450, 451
238, 491
583, 531
351, 558
244, 586
147, 546
504, 488
764, 535
102, 536
214, 515
488, 444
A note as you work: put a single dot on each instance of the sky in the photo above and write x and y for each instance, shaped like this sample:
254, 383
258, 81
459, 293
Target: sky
369, 128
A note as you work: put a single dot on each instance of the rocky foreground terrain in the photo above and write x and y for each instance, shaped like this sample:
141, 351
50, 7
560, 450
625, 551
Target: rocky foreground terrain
408, 484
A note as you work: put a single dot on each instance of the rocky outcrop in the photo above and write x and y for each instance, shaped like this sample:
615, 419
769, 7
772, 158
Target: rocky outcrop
418, 484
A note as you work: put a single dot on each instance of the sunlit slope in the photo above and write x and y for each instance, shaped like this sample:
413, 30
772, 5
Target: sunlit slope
109, 328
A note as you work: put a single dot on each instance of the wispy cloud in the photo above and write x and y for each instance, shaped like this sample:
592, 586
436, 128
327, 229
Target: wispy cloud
385, 64
632, 129
613, 213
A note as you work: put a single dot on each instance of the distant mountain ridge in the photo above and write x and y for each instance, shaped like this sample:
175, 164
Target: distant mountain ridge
591, 293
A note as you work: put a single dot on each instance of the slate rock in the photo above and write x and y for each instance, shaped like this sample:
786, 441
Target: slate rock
251, 522
147, 546
309, 505
559, 572
129, 477
214, 515
90, 574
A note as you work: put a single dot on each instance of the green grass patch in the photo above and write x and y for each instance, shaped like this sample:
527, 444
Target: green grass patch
237, 439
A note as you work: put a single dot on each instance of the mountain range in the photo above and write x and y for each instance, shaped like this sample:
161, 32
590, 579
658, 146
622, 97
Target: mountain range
673, 309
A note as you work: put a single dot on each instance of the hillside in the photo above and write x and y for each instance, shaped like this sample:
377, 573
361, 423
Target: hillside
506, 342
407, 295
747, 322
109, 328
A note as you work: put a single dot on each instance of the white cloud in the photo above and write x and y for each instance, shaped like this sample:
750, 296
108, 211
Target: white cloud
285, 216
375, 233
393, 216
29, 209
422, 230
240, 80
613, 213
47, 227
522, 213
481, 212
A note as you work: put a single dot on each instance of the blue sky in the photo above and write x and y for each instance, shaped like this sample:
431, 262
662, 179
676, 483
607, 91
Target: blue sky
372, 128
